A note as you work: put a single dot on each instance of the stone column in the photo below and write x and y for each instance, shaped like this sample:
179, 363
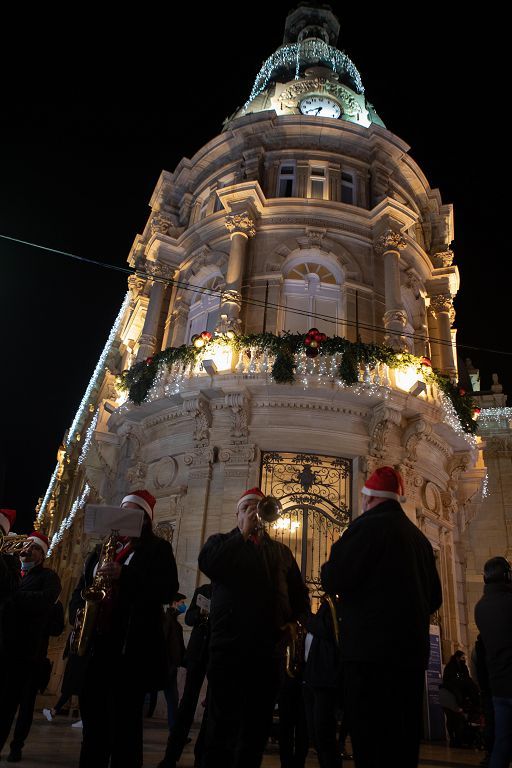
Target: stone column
442, 308
240, 227
388, 246
148, 337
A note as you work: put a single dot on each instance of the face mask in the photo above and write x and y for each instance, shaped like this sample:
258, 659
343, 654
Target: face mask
182, 608
26, 566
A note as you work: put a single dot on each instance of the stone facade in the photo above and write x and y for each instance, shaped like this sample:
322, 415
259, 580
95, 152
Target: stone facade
283, 221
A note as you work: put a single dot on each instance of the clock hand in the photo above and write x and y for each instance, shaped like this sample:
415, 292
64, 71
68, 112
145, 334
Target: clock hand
318, 110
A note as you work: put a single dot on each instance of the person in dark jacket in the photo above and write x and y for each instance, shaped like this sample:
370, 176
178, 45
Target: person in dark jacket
175, 645
195, 661
127, 654
24, 638
9, 564
493, 616
383, 569
257, 591
322, 678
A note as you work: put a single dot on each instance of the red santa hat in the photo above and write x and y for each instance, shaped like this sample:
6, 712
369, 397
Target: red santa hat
252, 493
7, 519
40, 539
385, 483
144, 499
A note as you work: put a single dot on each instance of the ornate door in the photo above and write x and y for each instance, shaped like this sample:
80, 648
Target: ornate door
315, 494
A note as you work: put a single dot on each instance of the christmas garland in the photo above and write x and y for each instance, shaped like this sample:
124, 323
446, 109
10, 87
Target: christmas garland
140, 378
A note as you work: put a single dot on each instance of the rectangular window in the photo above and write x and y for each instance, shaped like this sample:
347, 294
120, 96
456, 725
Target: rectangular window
286, 181
347, 188
317, 182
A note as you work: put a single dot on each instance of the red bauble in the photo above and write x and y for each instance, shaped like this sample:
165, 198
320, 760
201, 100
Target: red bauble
149, 360
313, 331
311, 352
476, 411
462, 392
322, 337
307, 341
426, 361
206, 335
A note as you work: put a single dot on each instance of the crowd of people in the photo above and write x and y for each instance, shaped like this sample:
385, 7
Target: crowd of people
353, 667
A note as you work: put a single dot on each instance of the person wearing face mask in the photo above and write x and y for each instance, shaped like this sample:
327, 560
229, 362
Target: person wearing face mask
175, 645
384, 572
126, 657
24, 637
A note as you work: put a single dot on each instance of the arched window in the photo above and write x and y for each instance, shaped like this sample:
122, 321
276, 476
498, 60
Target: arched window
311, 297
204, 309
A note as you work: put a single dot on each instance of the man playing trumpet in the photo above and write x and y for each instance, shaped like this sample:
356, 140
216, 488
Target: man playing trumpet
257, 591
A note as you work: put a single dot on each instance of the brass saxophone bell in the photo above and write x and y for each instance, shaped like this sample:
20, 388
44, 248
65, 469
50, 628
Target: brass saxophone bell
269, 509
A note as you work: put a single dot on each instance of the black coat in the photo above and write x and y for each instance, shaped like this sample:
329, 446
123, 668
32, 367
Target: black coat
323, 665
493, 616
135, 639
384, 571
257, 588
25, 615
197, 648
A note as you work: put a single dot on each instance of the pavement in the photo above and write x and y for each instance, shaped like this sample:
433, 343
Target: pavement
57, 745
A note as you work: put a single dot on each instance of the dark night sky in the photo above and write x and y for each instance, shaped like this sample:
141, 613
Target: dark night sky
94, 119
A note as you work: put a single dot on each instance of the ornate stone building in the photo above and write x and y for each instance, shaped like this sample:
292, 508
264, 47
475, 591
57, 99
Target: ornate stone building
304, 211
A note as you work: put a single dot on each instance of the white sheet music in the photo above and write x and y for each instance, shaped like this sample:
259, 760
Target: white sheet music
100, 520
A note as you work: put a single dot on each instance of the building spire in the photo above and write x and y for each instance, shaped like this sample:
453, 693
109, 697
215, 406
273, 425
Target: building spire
311, 20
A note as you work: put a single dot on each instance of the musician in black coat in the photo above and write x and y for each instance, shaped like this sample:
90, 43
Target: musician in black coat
24, 636
257, 591
127, 654
384, 571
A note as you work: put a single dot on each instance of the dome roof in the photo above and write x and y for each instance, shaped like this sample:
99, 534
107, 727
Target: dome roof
309, 64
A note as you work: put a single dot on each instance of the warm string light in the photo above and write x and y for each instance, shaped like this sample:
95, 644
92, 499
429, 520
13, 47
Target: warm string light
67, 522
88, 437
485, 486
493, 416
299, 54
453, 421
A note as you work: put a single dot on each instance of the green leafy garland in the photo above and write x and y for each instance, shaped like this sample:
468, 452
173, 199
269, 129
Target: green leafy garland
140, 378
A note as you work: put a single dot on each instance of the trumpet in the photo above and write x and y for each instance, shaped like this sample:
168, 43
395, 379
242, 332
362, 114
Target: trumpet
269, 510
12, 544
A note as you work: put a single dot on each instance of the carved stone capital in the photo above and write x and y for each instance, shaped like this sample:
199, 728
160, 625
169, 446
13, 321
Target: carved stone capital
232, 297
240, 224
456, 465
443, 302
443, 259
200, 463
389, 241
136, 285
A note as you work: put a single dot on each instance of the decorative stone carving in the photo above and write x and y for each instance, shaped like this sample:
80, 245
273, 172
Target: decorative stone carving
137, 474
412, 483
232, 297
200, 463
238, 403
136, 286
240, 224
237, 454
160, 223
384, 419
288, 99
417, 428
272, 266
431, 497
199, 407
498, 445
165, 530
443, 302
395, 316
389, 241
159, 270
164, 472
395, 321
443, 259
413, 282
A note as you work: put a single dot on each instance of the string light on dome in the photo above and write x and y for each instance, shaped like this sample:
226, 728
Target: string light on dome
308, 51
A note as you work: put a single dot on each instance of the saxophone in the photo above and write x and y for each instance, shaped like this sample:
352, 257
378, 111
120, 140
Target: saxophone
96, 596
295, 648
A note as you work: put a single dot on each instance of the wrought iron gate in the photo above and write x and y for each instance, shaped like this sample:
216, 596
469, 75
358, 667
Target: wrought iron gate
315, 494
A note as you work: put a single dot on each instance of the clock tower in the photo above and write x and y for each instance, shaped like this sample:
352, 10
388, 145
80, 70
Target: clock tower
290, 324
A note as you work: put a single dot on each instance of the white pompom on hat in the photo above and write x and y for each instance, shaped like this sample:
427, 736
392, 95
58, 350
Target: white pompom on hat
385, 483
144, 499
7, 519
40, 539
252, 493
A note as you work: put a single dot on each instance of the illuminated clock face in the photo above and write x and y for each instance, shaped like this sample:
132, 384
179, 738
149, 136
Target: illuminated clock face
320, 106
